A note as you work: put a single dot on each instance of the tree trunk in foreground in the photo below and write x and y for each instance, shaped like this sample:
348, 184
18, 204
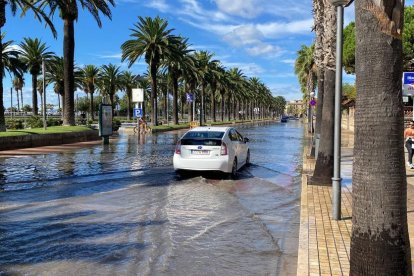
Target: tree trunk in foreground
323, 172
69, 79
2, 118
379, 243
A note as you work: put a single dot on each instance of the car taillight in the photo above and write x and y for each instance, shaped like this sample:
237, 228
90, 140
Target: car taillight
178, 148
223, 150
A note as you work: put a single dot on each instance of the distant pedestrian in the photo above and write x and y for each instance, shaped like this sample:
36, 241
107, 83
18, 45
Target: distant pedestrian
409, 141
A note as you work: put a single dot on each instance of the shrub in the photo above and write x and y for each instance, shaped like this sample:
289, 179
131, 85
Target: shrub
54, 122
34, 122
14, 124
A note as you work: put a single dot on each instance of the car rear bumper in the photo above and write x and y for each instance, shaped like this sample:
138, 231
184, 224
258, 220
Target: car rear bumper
193, 164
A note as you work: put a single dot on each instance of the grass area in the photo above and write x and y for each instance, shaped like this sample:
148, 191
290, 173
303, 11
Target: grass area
169, 127
49, 130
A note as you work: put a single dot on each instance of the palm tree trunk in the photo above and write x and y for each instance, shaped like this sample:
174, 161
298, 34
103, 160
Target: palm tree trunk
379, 242
128, 92
175, 100
111, 99
91, 111
228, 108
34, 95
165, 111
2, 21
320, 101
21, 96
323, 172
18, 101
154, 94
202, 105
68, 75
213, 105
222, 106
324, 164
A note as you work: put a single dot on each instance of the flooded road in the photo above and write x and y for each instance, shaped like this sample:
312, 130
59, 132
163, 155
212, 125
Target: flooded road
121, 210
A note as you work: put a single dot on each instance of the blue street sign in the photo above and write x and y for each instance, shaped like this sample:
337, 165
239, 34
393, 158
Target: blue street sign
137, 112
408, 78
189, 97
408, 84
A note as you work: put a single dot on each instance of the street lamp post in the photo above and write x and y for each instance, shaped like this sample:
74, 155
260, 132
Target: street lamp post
336, 179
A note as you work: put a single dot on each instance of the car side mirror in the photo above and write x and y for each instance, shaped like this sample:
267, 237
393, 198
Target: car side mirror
246, 139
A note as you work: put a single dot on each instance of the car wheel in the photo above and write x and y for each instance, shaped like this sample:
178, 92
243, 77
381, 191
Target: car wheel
181, 173
233, 173
248, 158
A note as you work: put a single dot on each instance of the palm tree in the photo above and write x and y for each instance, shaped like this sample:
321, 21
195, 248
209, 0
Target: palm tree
319, 54
18, 84
128, 82
305, 69
110, 77
152, 39
236, 78
68, 11
90, 74
24, 5
177, 64
32, 52
204, 64
379, 242
55, 74
324, 163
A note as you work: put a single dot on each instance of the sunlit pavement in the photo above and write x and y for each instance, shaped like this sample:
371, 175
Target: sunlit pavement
324, 244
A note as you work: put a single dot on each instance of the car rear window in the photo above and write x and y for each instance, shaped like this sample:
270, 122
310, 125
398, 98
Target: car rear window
202, 138
204, 135
200, 142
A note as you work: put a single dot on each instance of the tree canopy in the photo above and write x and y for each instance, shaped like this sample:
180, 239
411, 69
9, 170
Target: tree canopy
408, 42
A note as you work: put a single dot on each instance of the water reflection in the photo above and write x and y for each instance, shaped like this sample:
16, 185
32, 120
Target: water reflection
272, 146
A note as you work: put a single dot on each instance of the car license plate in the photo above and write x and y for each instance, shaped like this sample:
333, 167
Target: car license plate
200, 152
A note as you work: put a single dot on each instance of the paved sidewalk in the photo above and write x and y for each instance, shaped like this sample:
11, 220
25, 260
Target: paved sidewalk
324, 244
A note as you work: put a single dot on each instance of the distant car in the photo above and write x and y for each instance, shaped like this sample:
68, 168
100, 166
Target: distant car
284, 119
212, 149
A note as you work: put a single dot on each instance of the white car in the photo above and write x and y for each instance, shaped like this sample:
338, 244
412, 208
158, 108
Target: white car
212, 149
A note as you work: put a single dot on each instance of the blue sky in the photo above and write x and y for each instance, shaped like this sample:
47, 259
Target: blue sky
260, 37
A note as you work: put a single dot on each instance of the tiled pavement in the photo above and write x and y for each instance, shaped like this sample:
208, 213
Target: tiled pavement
324, 244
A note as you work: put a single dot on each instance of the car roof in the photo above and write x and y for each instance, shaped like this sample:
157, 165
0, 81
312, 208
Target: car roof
205, 128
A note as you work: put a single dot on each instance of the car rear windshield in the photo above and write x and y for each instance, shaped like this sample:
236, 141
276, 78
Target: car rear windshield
201, 142
202, 138
204, 135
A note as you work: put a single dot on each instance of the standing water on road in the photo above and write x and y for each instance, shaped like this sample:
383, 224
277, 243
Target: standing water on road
121, 210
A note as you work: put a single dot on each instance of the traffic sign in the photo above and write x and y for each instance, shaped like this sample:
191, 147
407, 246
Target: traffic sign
137, 112
408, 84
137, 95
189, 97
312, 102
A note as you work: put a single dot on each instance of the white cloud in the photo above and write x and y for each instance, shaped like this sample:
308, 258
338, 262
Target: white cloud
160, 5
254, 8
114, 56
276, 29
263, 49
249, 69
243, 35
243, 8
289, 61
